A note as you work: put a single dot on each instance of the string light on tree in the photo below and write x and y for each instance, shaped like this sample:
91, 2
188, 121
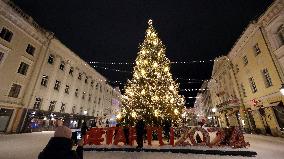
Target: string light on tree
152, 93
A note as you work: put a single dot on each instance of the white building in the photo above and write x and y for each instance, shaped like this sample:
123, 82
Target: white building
42, 80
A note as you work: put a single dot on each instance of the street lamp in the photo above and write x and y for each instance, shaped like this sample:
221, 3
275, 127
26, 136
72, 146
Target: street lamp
215, 109
282, 89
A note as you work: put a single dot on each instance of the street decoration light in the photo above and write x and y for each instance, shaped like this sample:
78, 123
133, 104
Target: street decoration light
282, 89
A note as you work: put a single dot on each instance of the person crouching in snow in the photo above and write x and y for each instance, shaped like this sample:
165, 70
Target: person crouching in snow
60, 146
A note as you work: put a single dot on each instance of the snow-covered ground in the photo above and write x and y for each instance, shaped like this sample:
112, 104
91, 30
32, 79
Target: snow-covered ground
27, 146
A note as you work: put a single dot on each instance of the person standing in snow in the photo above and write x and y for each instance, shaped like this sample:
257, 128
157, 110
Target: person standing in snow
140, 132
60, 146
84, 129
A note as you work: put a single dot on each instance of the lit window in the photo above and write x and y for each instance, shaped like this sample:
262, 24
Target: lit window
15, 90
23, 69
44, 80
6, 34
30, 49
57, 85
37, 104
267, 78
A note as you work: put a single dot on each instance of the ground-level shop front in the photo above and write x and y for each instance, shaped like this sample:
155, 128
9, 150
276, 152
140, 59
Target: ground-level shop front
5, 117
38, 120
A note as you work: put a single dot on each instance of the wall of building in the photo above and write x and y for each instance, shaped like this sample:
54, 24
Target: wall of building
98, 94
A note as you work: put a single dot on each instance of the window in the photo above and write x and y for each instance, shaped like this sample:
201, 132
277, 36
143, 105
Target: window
92, 83
62, 65
252, 85
67, 89
83, 96
23, 69
30, 49
86, 79
97, 86
237, 68
90, 97
57, 85
81, 110
15, 90
267, 78
243, 90
37, 104
76, 92
62, 108
99, 101
100, 88
80, 76
6, 34
44, 80
74, 109
245, 60
280, 34
1, 56
51, 107
50, 59
71, 71
256, 49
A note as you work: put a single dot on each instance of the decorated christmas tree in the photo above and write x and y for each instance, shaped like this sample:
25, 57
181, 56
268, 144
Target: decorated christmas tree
152, 93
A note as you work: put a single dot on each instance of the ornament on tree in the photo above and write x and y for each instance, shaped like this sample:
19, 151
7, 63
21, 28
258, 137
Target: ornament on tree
152, 89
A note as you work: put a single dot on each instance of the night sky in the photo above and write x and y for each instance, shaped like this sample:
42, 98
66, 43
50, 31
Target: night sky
111, 30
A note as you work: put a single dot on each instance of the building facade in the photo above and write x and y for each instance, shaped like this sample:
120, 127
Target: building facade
254, 70
43, 81
225, 95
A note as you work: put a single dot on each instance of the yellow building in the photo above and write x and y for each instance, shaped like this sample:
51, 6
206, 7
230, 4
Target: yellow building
224, 93
245, 84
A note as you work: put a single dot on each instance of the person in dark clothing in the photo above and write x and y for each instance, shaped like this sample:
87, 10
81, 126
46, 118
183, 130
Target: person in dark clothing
126, 134
84, 129
60, 146
167, 127
140, 132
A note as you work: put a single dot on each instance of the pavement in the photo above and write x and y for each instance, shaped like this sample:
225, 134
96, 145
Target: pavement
28, 146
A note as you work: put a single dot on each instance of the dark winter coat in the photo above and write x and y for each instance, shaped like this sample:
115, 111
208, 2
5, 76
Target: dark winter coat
84, 129
60, 148
140, 127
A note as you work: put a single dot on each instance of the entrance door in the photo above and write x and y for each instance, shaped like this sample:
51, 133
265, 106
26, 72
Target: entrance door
5, 115
263, 116
279, 113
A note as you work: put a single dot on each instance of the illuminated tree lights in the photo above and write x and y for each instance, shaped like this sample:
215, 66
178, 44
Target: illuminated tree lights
152, 93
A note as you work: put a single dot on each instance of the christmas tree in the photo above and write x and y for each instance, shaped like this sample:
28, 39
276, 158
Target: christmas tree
152, 93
